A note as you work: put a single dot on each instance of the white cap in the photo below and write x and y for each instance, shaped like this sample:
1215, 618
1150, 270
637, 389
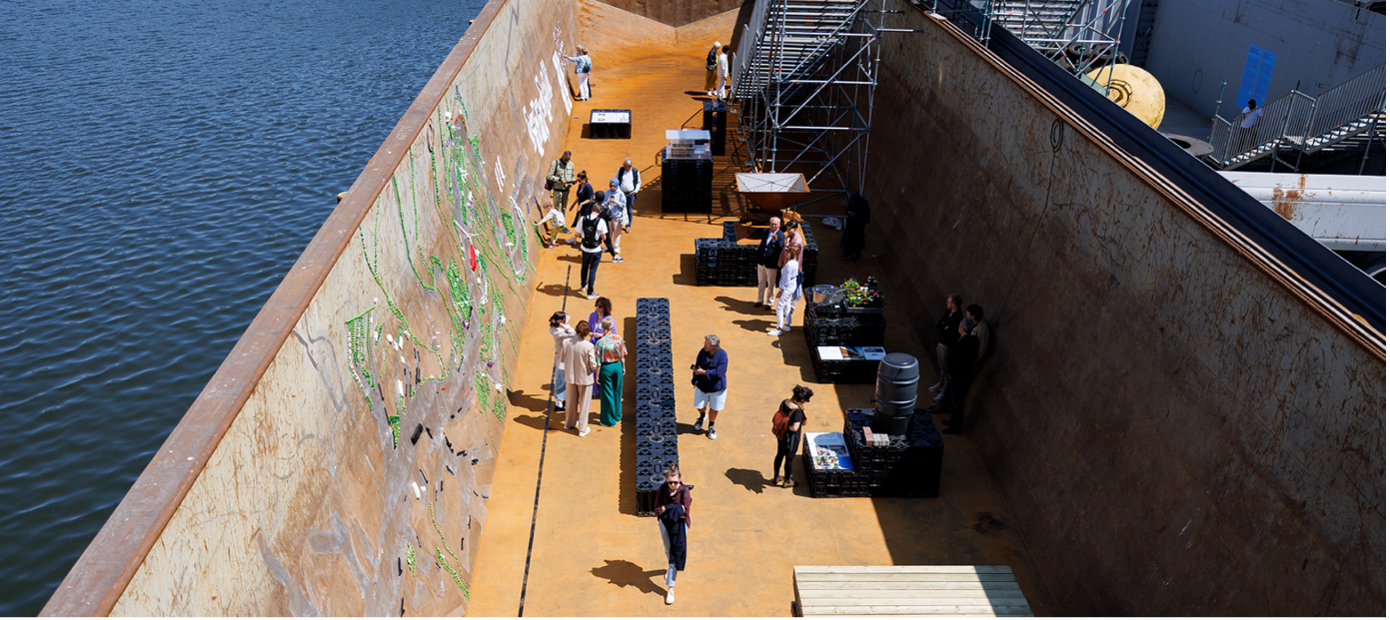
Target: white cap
716, 44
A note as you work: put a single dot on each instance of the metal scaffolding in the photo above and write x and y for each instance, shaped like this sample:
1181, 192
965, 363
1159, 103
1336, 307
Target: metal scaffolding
807, 70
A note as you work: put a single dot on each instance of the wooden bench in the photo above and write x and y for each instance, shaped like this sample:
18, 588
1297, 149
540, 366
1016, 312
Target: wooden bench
908, 590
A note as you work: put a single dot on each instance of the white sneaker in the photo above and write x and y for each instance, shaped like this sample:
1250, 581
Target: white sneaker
712, 434
585, 432
700, 424
568, 427
593, 295
774, 332
671, 595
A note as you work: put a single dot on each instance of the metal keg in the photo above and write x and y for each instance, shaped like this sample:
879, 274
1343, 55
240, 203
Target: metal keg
896, 393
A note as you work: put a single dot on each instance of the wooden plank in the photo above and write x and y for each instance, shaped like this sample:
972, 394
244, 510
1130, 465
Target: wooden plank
903, 569
908, 578
838, 597
926, 594
897, 585
1013, 601
927, 615
916, 610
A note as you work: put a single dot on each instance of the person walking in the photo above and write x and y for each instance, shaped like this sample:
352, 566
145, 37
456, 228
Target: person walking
961, 363
786, 427
560, 331
614, 209
583, 197
582, 66
603, 308
673, 517
593, 230
711, 69
558, 180
945, 337
630, 182
790, 288
581, 361
856, 220
708, 374
723, 62
611, 352
769, 253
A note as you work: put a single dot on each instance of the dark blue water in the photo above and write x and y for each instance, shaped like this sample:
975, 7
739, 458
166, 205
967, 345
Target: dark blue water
162, 164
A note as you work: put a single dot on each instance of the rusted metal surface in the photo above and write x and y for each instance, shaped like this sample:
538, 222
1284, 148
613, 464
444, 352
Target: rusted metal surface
1180, 424
246, 381
675, 14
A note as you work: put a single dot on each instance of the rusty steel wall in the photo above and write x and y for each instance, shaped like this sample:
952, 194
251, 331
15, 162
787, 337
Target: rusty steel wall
1175, 431
340, 461
675, 14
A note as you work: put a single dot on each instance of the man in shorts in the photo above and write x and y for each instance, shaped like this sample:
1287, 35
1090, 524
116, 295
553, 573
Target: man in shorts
708, 372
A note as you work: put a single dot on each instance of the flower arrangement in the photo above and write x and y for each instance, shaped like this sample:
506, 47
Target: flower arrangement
864, 295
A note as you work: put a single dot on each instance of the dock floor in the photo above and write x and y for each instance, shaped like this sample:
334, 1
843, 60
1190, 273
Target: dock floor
592, 556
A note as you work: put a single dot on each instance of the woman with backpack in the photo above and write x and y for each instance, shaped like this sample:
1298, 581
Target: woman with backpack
592, 229
786, 427
673, 517
582, 66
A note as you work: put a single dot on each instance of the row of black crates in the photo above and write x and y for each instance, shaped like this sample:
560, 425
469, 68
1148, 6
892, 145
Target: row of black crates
823, 326
842, 371
909, 467
656, 401
726, 262
686, 185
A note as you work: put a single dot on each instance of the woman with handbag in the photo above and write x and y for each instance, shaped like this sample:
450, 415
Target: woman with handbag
582, 66
580, 364
786, 427
673, 517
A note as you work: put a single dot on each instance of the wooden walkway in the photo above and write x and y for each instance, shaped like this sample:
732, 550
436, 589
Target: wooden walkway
908, 590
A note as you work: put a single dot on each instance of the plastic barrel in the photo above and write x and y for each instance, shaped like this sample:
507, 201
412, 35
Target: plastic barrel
896, 393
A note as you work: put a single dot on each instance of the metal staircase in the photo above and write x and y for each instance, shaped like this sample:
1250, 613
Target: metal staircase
1035, 20
804, 80
1302, 123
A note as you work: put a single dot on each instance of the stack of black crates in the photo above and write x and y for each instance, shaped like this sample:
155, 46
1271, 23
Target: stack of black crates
910, 466
726, 262
715, 120
656, 401
826, 325
686, 185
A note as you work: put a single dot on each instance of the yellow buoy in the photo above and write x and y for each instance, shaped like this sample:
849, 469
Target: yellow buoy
1134, 89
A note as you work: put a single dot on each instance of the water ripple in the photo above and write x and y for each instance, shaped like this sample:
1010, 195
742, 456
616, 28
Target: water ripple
165, 164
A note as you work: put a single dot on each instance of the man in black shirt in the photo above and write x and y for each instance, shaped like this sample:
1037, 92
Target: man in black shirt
946, 335
960, 365
769, 251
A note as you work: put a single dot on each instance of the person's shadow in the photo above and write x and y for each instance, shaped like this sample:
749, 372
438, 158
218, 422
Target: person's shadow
623, 573
750, 479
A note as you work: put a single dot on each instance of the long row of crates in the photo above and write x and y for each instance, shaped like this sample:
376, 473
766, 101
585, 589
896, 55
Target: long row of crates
656, 401
726, 262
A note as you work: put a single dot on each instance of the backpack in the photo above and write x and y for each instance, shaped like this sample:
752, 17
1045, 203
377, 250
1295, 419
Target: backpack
780, 421
590, 225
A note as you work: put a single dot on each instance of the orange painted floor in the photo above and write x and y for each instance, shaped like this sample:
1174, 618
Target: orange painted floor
592, 555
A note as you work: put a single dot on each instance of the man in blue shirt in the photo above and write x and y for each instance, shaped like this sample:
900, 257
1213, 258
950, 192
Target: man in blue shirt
708, 372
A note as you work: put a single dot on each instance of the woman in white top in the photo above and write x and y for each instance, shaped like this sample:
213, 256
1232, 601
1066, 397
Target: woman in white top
560, 330
790, 286
582, 67
723, 71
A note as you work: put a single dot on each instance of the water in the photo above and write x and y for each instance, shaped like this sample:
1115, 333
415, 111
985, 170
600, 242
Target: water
162, 164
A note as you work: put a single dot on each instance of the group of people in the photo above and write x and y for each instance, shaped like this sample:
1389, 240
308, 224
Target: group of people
963, 342
781, 270
601, 218
717, 71
589, 353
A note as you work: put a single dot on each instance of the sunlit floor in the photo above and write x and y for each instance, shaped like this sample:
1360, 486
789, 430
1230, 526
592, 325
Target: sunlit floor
592, 556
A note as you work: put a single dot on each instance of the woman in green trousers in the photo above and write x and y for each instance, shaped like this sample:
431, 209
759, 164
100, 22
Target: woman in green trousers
611, 352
